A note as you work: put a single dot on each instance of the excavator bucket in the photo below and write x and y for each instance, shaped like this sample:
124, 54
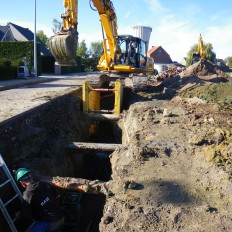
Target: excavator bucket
63, 48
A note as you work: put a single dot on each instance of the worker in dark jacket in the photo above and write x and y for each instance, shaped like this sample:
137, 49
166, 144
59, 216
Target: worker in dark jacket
40, 202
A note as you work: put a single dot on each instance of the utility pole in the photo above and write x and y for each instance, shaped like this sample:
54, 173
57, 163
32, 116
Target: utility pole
35, 46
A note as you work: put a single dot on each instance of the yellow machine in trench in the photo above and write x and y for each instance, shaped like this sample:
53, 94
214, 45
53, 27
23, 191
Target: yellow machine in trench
123, 54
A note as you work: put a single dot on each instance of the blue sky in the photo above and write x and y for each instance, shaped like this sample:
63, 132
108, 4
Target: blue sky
176, 25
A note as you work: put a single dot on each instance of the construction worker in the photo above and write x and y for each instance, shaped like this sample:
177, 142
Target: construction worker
40, 203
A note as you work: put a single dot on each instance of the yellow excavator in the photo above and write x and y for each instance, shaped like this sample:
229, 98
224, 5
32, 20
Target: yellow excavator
124, 55
200, 54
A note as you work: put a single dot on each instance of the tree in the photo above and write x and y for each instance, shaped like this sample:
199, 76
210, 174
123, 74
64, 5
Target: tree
82, 50
42, 36
96, 49
56, 25
228, 61
192, 50
95, 52
82, 53
209, 54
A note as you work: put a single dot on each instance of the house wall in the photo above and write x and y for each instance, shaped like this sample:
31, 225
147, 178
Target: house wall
160, 56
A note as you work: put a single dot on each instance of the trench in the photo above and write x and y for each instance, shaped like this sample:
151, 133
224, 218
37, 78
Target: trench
83, 212
38, 140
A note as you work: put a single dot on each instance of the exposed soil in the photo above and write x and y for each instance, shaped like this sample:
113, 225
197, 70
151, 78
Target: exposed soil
174, 173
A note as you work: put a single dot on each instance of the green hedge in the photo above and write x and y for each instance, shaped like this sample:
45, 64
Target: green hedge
48, 65
15, 52
8, 69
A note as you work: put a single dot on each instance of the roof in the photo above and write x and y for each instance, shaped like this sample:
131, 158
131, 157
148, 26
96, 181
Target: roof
3, 30
24, 34
21, 34
153, 49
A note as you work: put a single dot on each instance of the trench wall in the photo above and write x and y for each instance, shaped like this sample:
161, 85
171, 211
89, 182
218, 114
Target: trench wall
37, 139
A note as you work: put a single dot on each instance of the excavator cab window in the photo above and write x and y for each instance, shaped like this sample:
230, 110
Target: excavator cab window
142, 54
138, 53
121, 51
130, 51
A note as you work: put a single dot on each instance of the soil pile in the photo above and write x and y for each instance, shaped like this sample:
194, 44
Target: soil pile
199, 74
174, 173
203, 68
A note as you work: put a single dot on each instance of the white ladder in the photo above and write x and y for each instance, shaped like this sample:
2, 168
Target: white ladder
3, 205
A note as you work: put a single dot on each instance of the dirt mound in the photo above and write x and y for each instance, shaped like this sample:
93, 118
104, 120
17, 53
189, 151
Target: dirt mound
203, 68
174, 173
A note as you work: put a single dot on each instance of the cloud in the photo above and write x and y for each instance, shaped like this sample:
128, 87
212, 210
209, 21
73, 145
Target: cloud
155, 6
191, 9
97, 36
127, 15
178, 36
175, 36
221, 39
219, 16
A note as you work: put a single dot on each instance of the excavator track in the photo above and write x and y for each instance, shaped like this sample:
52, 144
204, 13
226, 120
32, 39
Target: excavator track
100, 80
136, 83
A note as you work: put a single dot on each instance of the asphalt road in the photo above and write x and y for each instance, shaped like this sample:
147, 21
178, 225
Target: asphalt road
20, 95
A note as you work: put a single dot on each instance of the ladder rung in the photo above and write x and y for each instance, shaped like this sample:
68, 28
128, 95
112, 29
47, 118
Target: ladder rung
8, 202
4, 183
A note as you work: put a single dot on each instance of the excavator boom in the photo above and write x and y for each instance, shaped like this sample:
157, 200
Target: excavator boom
200, 54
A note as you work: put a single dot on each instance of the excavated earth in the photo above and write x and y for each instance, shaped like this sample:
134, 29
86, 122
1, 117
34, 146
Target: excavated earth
174, 173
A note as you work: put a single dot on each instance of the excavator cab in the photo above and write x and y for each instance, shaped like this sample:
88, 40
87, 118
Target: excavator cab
130, 51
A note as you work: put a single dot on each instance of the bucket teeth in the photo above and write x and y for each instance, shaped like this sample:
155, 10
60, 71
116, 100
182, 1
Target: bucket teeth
63, 48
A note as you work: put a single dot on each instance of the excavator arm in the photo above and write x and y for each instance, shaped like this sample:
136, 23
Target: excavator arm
200, 54
108, 19
123, 54
63, 45
200, 47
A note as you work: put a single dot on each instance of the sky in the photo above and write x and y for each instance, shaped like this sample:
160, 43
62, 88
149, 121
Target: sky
176, 25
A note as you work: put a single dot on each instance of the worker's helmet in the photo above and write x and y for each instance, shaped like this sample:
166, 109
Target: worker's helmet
22, 173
